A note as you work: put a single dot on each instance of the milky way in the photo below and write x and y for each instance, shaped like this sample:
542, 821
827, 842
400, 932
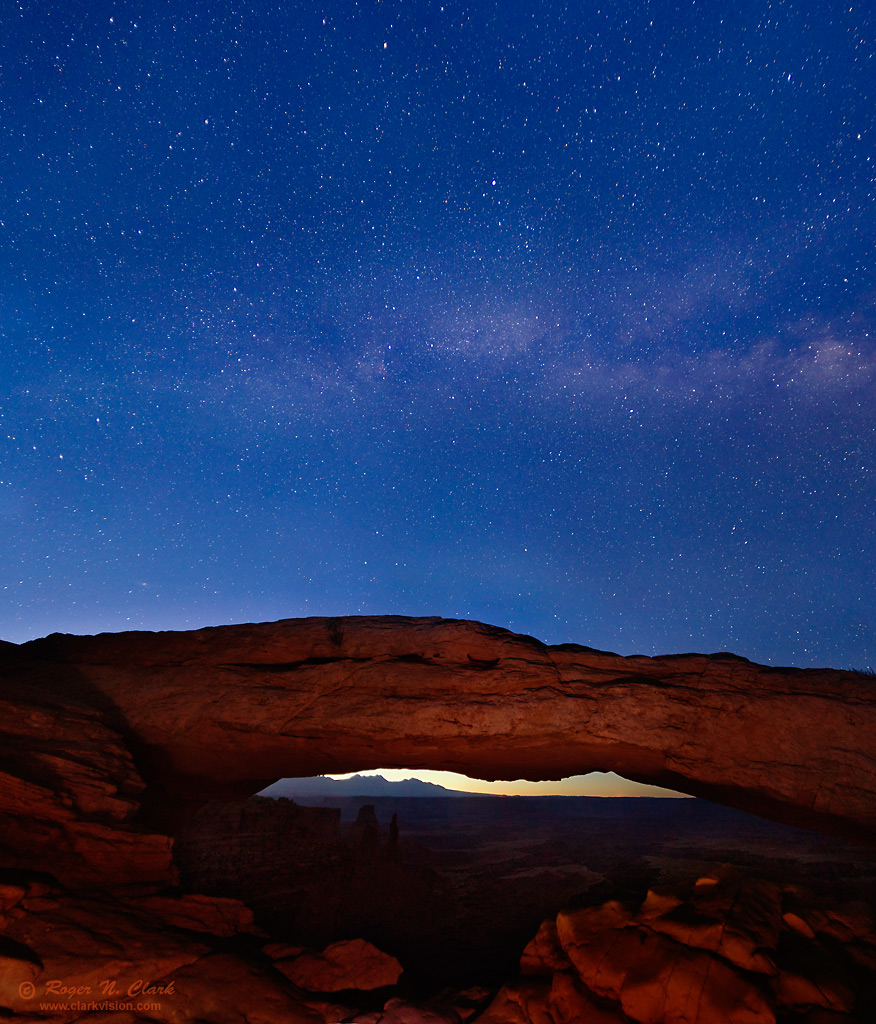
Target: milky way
556, 317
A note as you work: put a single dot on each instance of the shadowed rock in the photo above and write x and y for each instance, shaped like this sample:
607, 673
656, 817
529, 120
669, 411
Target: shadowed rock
354, 964
723, 951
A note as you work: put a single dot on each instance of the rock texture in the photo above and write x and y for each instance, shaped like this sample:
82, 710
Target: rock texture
352, 964
69, 788
730, 949
69, 956
225, 711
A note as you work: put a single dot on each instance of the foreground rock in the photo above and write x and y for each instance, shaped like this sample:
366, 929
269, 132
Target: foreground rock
69, 788
733, 948
70, 956
730, 948
354, 964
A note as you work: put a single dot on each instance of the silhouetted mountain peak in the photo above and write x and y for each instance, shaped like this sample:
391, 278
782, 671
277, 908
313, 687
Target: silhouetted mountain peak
358, 785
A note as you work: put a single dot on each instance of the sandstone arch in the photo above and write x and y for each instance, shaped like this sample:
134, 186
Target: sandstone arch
226, 710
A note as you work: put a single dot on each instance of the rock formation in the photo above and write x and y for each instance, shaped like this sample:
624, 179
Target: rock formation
69, 787
286, 863
227, 710
304, 878
110, 745
67, 955
733, 948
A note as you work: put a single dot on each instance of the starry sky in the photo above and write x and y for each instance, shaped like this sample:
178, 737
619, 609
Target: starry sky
559, 316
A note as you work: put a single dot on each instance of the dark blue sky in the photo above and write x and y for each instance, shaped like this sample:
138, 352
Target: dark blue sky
558, 316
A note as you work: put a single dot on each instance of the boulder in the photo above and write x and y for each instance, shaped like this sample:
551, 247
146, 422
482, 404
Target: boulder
724, 949
352, 964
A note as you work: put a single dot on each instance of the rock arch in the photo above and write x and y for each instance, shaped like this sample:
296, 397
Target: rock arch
224, 711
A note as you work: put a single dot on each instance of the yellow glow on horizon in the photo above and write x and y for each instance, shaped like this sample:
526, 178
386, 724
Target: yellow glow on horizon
594, 784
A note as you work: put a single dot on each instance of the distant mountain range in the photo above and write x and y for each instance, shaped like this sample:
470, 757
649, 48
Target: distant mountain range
358, 785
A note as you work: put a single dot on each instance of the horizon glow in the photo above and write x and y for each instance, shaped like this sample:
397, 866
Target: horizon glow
593, 784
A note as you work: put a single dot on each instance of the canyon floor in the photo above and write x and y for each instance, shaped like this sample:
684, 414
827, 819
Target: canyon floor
469, 880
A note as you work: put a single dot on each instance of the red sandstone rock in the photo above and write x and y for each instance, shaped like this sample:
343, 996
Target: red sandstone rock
214, 915
738, 921
672, 984
523, 1002
564, 1000
282, 950
69, 789
225, 989
601, 946
81, 952
445, 1008
353, 964
796, 991
397, 1011
467, 1003
797, 924
721, 952
544, 955
230, 709
81, 942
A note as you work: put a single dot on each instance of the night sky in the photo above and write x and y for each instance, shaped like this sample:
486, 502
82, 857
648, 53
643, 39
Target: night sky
559, 316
